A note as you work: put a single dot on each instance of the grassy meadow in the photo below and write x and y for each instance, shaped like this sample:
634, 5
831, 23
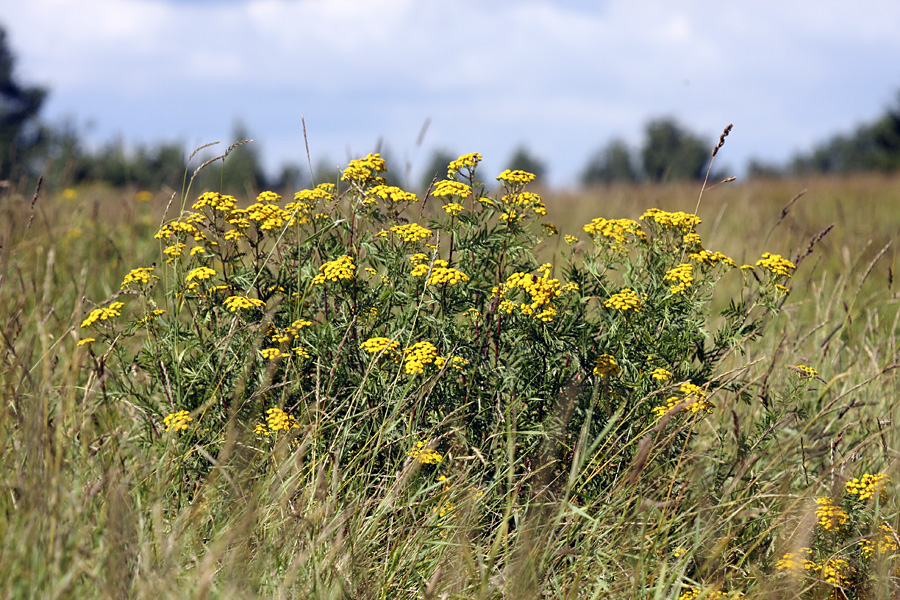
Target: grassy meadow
609, 435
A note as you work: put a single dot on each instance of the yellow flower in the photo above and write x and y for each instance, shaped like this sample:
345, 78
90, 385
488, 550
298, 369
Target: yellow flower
515, 177
711, 258
776, 264
377, 345
200, 273
340, 268
270, 353
393, 193
363, 169
683, 274
424, 455
571, 239
417, 356
276, 420
235, 303
177, 421
619, 231
453, 209
606, 366
268, 197
682, 221
867, 486
805, 371
829, 515
103, 314
413, 232
660, 374
624, 301
446, 188
86, 341
692, 394
142, 275
468, 161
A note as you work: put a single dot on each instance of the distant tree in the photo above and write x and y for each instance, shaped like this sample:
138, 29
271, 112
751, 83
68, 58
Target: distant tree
437, 167
872, 147
611, 164
20, 132
672, 153
523, 160
292, 178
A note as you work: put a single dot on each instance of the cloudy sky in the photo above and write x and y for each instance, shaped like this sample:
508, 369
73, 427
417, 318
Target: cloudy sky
561, 77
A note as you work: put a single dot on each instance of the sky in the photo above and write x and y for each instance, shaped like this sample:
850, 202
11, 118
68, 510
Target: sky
562, 78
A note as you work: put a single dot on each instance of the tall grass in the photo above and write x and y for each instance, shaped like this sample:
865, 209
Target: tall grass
90, 506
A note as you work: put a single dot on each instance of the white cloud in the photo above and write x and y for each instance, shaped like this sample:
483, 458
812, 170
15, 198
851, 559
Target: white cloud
561, 76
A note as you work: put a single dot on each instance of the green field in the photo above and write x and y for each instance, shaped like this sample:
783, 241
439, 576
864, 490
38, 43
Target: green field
98, 500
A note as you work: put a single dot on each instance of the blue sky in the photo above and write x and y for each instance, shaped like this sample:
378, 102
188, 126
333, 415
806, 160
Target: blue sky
561, 77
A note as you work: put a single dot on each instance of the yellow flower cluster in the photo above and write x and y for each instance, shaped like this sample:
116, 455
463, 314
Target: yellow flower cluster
141, 275
692, 394
441, 272
174, 251
340, 268
694, 593
417, 356
377, 345
412, 232
524, 200
393, 193
683, 274
606, 366
268, 197
177, 421
364, 169
617, 230
805, 371
215, 201
85, 341
682, 221
276, 420
103, 314
660, 374
868, 485
797, 562
151, 316
322, 192
466, 161
176, 228
200, 273
270, 353
266, 216
691, 239
457, 362
885, 543
550, 229
453, 208
515, 177
706, 257
776, 264
541, 291
424, 455
570, 239
446, 188
288, 333
829, 515
624, 301
836, 571
236, 303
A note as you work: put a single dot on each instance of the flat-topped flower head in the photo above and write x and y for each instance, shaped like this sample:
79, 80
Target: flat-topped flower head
516, 177
142, 275
776, 265
335, 270
364, 169
682, 221
606, 366
236, 303
466, 161
411, 232
103, 314
445, 188
624, 301
177, 421
392, 193
683, 277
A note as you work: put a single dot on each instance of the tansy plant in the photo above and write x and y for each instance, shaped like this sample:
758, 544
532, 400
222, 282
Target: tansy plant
456, 316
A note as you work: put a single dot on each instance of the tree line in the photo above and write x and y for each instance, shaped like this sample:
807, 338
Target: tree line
669, 151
